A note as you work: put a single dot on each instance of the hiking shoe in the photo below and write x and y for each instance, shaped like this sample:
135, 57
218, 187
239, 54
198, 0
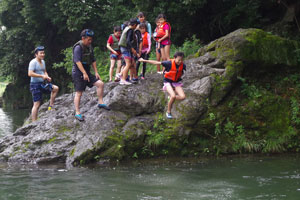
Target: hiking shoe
169, 115
104, 106
124, 82
79, 117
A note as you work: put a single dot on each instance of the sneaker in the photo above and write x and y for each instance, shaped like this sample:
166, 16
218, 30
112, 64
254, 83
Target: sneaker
143, 78
169, 115
124, 82
134, 80
79, 117
160, 72
49, 108
104, 106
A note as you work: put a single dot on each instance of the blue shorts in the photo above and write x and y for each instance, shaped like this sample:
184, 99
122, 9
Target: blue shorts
126, 53
37, 90
116, 57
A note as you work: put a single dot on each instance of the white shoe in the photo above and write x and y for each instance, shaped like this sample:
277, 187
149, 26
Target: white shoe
125, 83
160, 72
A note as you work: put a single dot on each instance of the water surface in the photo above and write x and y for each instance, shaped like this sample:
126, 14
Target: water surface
260, 177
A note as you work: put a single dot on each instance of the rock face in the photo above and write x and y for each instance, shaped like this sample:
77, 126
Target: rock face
136, 126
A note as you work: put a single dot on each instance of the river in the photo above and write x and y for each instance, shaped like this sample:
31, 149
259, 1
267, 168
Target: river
232, 177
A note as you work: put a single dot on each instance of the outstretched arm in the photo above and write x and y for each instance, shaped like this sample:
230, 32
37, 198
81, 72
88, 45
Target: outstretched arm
153, 62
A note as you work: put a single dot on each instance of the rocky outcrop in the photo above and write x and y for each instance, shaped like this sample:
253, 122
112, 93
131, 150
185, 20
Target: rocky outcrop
136, 126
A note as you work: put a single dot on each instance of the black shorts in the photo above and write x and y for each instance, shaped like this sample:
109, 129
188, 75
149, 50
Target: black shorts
80, 84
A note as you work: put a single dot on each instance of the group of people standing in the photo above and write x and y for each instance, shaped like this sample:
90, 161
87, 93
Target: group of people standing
129, 46
133, 41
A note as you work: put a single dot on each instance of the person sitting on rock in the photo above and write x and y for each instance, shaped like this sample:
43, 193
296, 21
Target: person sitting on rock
83, 59
174, 69
40, 82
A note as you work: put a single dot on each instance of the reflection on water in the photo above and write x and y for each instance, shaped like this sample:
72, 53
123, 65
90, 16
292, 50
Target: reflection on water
10, 120
216, 179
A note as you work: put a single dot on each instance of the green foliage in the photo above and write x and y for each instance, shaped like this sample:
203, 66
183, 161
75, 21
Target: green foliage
249, 90
2, 88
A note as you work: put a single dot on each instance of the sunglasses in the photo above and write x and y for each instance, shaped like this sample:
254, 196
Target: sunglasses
89, 33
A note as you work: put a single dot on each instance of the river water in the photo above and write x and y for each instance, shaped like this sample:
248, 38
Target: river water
236, 177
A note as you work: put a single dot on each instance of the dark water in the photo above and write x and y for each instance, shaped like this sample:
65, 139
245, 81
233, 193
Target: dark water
10, 120
247, 177
276, 177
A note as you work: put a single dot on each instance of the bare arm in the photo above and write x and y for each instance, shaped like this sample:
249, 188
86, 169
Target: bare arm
95, 70
111, 49
153, 62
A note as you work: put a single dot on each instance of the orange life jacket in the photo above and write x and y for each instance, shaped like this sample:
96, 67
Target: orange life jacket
161, 32
174, 74
145, 40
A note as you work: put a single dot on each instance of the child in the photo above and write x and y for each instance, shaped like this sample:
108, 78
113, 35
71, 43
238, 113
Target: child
157, 45
174, 69
146, 48
142, 19
164, 33
115, 53
127, 49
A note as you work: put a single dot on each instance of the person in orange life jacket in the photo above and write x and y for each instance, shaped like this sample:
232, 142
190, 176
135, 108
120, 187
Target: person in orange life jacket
174, 69
115, 53
146, 48
38, 73
83, 59
127, 49
142, 19
164, 33
157, 45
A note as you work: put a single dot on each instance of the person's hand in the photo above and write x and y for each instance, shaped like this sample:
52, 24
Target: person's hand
141, 60
86, 77
138, 55
116, 53
134, 52
97, 76
49, 78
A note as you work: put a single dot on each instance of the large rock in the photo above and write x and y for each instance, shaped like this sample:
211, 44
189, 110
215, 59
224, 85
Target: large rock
136, 126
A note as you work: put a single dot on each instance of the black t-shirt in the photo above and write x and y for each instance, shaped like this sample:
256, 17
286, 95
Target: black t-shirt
168, 66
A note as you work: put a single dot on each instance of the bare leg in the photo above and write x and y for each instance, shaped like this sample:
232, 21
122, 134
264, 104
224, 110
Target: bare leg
34, 110
172, 97
77, 98
163, 54
167, 52
54, 92
100, 85
158, 59
180, 94
119, 63
126, 69
111, 70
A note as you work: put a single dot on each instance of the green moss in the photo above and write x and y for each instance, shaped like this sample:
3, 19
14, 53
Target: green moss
52, 139
63, 129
